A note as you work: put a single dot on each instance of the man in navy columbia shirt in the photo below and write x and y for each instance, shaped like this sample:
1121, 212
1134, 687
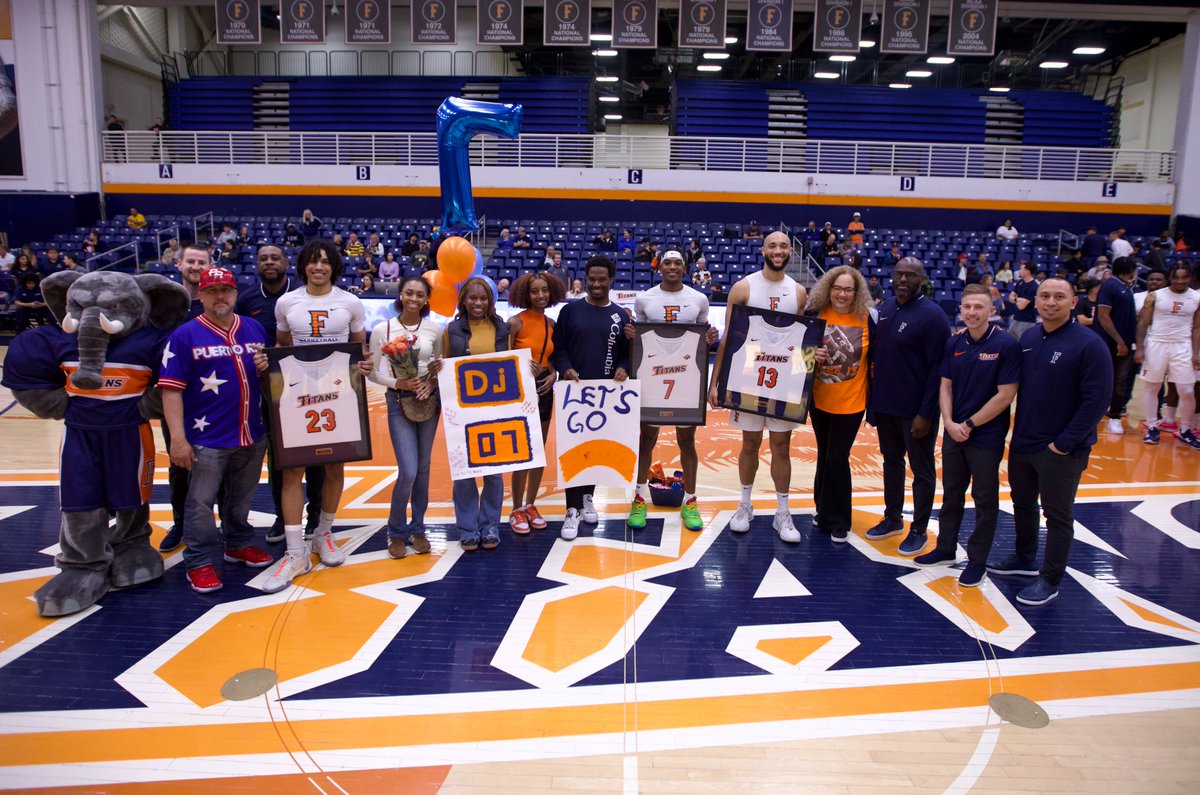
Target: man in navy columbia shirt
1066, 381
980, 373
910, 340
1116, 318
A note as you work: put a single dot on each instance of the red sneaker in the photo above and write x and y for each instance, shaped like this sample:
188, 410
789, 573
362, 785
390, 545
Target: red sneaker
535, 519
252, 556
519, 522
204, 579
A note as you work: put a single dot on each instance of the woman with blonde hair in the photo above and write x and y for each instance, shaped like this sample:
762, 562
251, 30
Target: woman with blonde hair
841, 298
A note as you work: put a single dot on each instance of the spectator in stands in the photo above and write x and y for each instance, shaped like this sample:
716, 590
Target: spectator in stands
982, 264
53, 262
1156, 258
292, 237
753, 232
413, 244
1086, 292
875, 290
422, 258
243, 238
136, 220
1117, 319
1074, 263
576, 290
171, 252
29, 305
963, 270
368, 267
522, 240
227, 235
556, 268
338, 242
718, 294
91, 243
1022, 298
1004, 274
644, 252
1100, 270
310, 225
892, 256
1118, 246
354, 246
389, 269
693, 254
1181, 244
23, 267
7, 289
1041, 275
548, 260
70, 262
812, 238
374, 245
856, 228
1007, 231
654, 252
229, 254
365, 286
7, 260
502, 289
702, 279
851, 257
1093, 245
503, 242
627, 243
606, 241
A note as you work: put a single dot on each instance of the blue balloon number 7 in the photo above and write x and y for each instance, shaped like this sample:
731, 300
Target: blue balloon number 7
460, 120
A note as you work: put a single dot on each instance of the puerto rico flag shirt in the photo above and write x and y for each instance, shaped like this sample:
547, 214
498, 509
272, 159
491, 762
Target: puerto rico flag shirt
214, 369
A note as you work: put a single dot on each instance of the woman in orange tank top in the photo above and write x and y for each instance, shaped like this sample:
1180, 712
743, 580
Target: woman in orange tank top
532, 330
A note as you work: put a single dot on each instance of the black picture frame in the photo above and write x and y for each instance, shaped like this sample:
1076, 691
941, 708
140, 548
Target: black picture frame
680, 408
356, 449
737, 330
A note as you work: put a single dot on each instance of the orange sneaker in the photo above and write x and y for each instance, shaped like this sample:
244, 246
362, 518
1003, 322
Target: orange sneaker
518, 520
535, 519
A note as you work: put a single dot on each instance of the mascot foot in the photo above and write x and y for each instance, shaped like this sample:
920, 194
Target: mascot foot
135, 564
70, 591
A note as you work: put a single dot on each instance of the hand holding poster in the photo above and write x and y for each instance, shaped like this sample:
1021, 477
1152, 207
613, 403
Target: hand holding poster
598, 426
490, 408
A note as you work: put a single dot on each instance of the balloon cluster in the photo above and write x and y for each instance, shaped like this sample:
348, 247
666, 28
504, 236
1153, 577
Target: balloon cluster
457, 261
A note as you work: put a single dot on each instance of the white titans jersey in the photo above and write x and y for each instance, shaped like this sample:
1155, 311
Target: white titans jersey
777, 296
669, 372
318, 405
1173, 313
657, 305
313, 319
770, 364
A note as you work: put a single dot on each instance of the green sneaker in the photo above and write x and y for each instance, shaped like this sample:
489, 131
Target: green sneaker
637, 514
691, 515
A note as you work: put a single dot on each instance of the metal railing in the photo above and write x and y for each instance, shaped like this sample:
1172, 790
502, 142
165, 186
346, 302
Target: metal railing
865, 158
113, 257
1067, 241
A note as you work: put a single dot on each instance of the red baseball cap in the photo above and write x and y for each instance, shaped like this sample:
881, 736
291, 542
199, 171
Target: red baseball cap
217, 277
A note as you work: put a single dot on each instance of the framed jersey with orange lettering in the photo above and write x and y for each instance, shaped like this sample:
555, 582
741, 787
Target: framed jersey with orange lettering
671, 361
317, 405
769, 362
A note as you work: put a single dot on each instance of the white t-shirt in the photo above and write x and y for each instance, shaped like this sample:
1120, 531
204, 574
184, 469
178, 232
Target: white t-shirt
1007, 233
657, 305
1121, 248
312, 319
317, 405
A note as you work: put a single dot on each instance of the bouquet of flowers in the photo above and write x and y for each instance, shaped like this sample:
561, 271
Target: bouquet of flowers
401, 352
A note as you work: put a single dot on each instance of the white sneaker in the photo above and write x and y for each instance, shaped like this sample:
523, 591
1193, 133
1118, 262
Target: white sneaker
1115, 426
588, 513
325, 546
290, 566
740, 522
783, 525
570, 525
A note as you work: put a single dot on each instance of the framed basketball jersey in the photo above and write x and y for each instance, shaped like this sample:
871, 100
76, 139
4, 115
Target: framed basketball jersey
671, 361
317, 405
769, 362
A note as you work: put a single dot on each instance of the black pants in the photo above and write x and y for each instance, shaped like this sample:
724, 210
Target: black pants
575, 495
177, 479
1054, 478
979, 467
1122, 381
895, 442
833, 487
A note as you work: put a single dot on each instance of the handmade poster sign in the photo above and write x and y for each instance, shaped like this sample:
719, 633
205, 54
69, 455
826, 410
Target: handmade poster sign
768, 362
597, 423
490, 411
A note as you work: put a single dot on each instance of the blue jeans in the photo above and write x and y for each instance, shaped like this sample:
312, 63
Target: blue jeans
476, 511
237, 469
413, 445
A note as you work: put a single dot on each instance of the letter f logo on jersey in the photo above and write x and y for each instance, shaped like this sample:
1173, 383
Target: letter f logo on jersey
774, 302
670, 313
317, 318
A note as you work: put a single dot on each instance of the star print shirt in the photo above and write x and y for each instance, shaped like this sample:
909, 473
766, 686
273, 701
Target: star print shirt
214, 369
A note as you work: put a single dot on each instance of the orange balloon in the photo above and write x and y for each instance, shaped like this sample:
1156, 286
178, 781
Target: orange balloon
456, 258
443, 295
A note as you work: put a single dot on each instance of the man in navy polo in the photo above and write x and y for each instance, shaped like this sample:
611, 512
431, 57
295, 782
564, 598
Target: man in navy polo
258, 302
1116, 321
211, 401
980, 374
1022, 297
910, 340
1066, 381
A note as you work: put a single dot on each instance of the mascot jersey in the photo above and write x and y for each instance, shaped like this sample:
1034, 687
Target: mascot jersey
214, 368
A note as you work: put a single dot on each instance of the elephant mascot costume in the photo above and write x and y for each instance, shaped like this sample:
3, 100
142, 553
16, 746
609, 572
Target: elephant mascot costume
98, 374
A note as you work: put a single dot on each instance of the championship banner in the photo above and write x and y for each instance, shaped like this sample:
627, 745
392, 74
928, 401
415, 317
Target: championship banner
317, 405
769, 26
972, 27
837, 26
597, 430
434, 22
905, 27
302, 21
768, 362
490, 412
635, 24
567, 23
368, 22
702, 24
499, 22
238, 22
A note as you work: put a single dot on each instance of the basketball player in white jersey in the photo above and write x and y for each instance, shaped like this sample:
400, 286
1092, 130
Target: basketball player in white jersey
318, 312
769, 288
1168, 346
671, 301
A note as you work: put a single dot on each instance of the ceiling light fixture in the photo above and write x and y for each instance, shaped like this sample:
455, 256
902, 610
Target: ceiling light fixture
918, 73
716, 56
940, 60
826, 75
1054, 64
999, 89
613, 116
609, 99
604, 53
600, 37
731, 39
709, 67
899, 85
1088, 51
606, 79
866, 44
842, 58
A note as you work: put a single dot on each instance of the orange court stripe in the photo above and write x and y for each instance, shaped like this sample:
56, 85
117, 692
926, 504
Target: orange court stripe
320, 735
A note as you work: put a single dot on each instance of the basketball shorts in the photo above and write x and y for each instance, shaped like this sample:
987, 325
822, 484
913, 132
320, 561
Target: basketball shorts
111, 469
755, 423
1168, 361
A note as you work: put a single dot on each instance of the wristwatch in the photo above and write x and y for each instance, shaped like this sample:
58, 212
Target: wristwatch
969, 424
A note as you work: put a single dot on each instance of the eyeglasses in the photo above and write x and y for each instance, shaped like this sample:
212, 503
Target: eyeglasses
844, 290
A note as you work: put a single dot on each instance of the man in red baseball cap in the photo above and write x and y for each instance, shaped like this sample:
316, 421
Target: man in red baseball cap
211, 401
